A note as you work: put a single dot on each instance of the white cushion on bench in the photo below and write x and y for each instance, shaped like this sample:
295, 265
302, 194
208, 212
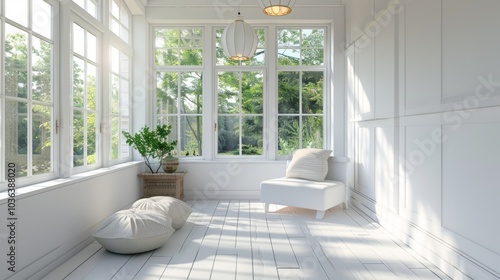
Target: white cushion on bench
316, 195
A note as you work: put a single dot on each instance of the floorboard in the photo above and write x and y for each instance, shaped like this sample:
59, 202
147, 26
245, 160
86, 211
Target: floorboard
236, 239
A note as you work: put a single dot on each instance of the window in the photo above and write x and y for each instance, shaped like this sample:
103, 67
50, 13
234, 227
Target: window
91, 6
45, 111
119, 104
85, 97
179, 87
27, 88
301, 73
264, 108
119, 20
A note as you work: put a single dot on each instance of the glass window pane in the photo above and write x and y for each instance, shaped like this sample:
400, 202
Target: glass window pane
115, 26
41, 70
17, 10
191, 93
78, 138
115, 9
91, 87
115, 60
228, 93
42, 18
91, 47
123, 33
228, 135
91, 8
312, 57
124, 148
312, 92
191, 57
16, 62
41, 143
191, 38
313, 38
312, 132
252, 136
167, 92
124, 65
167, 38
289, 37
288, 135
78, 40
288, 57
252, 89
91, 138
115, 137
16, 138
288, 92
173, 121
115, 94
124, 97
191, 135
167, 57
78, 82
124, 17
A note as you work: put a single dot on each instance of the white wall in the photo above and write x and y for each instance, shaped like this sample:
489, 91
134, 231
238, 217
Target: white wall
423, 91
55, 221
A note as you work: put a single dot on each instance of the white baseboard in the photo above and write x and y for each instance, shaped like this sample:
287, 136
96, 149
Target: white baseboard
229, 194
455, 263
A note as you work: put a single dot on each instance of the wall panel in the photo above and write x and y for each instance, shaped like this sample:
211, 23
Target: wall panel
365, 163
471, 182
365, 73
470, 51
385, 70
422, 173
422, 56
386, 191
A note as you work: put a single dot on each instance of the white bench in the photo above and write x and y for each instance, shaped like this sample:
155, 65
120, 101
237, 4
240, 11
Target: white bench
319, 196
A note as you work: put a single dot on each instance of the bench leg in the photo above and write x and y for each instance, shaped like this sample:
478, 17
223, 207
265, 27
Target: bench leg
266, 207
346, 205
320, 214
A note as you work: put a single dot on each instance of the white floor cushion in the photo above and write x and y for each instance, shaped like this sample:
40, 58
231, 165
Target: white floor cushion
172, 207
134, 231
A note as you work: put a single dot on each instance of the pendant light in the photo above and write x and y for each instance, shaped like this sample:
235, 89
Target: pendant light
276, 7
239, 40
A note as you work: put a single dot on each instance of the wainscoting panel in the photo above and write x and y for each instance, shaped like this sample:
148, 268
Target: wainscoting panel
365, 163
470, 182
422, 173
386, 191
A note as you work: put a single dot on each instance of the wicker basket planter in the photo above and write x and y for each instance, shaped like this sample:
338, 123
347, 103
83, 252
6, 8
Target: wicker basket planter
163, 184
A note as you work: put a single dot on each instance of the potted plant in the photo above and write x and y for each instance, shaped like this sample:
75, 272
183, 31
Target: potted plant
153, 144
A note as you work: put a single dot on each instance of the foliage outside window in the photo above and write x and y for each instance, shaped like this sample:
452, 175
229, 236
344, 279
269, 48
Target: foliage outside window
179, 87
27, 91
301, 74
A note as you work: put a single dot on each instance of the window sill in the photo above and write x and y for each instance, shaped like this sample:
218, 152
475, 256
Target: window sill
35, 189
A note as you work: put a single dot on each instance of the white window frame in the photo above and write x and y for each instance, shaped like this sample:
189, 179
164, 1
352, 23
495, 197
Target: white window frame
55, 70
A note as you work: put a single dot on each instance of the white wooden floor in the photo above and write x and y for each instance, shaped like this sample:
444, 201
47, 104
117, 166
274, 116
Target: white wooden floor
237, 240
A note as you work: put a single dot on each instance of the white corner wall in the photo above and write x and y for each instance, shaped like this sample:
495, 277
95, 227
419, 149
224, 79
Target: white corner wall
55, 222
423, 96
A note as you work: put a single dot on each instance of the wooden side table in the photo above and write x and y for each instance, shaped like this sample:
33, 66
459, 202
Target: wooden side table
163, 184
